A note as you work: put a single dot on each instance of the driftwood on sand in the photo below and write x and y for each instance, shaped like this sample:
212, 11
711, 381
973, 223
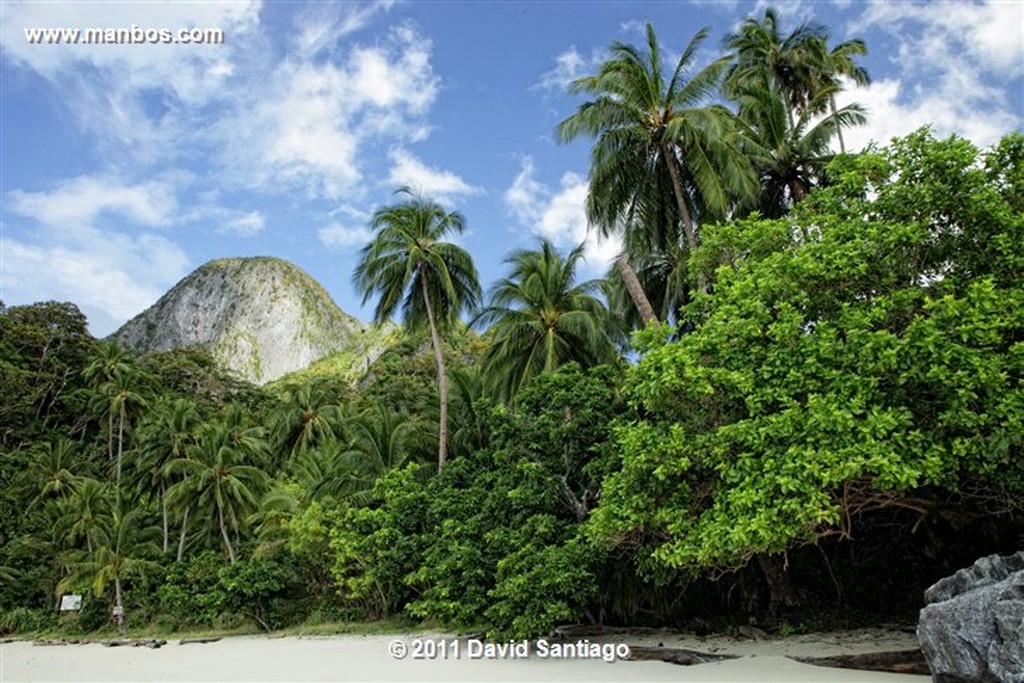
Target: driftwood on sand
192, 641
675, 655
898, 662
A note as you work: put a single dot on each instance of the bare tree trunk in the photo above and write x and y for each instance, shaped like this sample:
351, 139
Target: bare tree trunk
181, 540
635, 289
783, 595
684, 212
442, 380
224, 533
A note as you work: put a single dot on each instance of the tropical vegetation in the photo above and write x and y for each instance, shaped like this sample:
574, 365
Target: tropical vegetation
822, 383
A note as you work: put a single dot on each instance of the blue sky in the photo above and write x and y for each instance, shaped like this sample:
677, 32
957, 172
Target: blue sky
124, 167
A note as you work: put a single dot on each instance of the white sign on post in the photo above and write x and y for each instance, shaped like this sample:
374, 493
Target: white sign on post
70, 603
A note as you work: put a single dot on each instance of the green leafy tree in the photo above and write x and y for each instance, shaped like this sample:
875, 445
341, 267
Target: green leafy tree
873, 365
541, 319
649, 124
409, 265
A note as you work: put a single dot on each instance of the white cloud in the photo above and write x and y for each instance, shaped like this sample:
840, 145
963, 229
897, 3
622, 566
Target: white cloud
321, 27
569, 66
958, 63
110, 275
436, 184
78, 251
244, 225
338, 235
80, 200
307, 125
560, 215
108, 87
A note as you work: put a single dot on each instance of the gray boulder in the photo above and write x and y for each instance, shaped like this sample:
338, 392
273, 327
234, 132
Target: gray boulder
972, 627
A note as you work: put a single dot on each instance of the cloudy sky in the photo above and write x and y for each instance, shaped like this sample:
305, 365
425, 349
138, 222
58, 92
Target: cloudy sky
124, 167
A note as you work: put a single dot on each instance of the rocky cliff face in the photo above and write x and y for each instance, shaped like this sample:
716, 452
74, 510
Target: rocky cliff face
260, 317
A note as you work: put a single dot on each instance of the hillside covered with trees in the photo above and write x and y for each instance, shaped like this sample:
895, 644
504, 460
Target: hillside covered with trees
794, 400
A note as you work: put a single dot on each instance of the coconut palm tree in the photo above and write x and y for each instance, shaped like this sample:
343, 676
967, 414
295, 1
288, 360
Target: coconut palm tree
306, 418
51, 469
788, 61
833, 64
409, 265
542, 319
167, 434
649, 124
120, 549
379, 445
80, 513
789, 161
217, 479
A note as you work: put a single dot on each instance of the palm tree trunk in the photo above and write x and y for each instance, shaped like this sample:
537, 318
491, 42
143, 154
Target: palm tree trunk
684, 212
635, 289
181, 540
839, 129
110, 435
118, 605
163, 510
224, 533
120, 447
442, 380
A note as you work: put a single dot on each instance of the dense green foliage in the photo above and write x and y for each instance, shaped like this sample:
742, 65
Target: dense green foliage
834, 388
864, 353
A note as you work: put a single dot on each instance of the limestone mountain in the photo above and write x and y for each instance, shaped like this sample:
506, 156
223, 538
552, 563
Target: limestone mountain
260, 317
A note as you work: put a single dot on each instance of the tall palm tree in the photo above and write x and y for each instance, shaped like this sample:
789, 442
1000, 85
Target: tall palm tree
120, 549
830, 65
218, 480
81, 511
646, 126
789, 160
761, 50
542, 319
409, 265
167, 434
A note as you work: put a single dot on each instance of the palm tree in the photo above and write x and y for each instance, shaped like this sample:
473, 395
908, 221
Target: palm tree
409, 265
119, 550
167, 434
305, 419
51, 469
378, 446
789, 160
217, 479
542, 319
81, 511
838, 62
647, 126
760, 51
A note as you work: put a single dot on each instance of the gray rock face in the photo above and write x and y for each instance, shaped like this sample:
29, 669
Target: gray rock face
972, 627
259, 317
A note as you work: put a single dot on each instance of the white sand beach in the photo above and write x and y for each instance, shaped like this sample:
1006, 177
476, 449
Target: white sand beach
367, 658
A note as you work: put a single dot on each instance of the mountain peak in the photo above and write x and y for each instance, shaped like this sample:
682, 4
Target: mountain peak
261, 317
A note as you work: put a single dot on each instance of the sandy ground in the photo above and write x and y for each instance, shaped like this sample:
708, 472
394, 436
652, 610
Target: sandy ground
369, 658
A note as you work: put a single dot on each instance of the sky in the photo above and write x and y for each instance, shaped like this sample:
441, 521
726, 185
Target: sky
125, 167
